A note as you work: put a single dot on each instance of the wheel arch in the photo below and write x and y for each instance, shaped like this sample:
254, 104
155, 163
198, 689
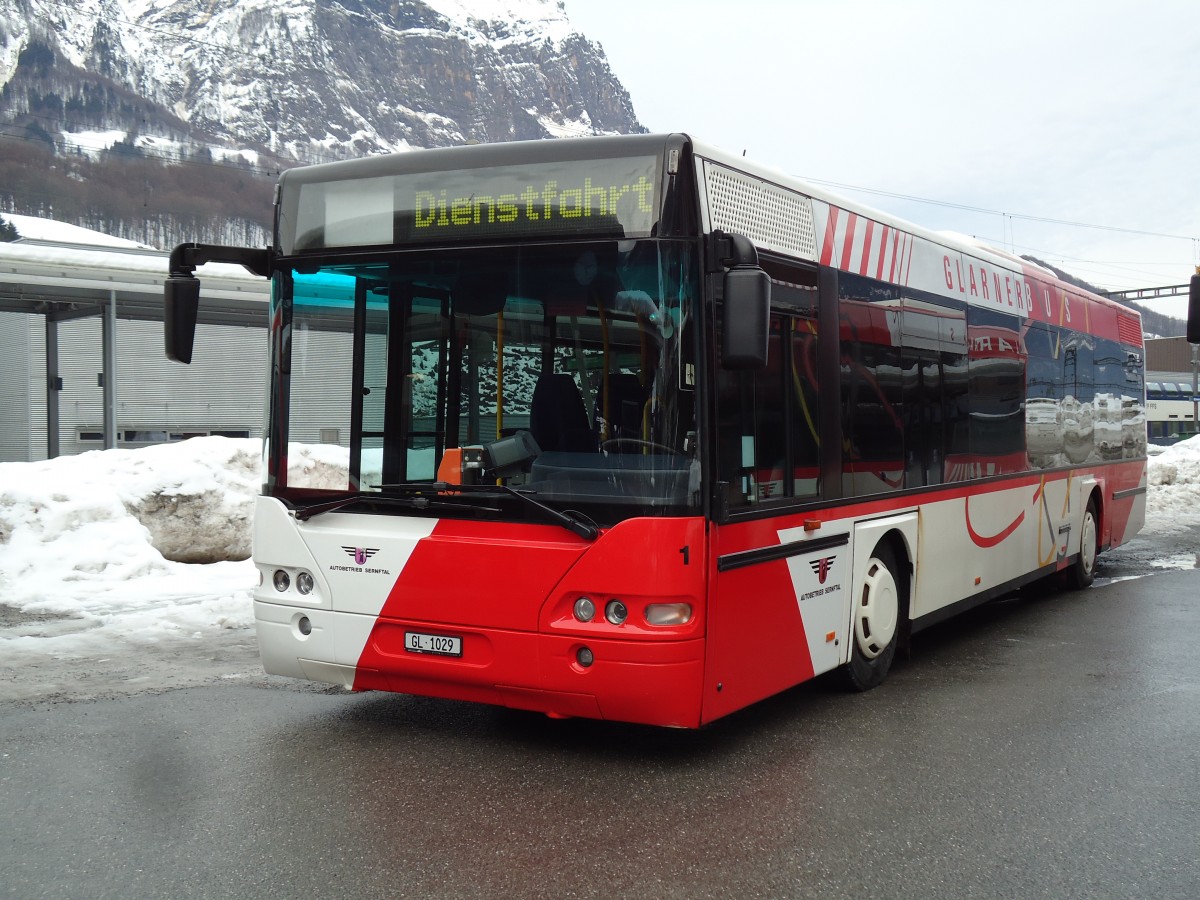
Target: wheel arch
880, 595
904, 552
1095, 496
900, 534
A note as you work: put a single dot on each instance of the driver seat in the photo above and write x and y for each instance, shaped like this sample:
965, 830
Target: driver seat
557, 417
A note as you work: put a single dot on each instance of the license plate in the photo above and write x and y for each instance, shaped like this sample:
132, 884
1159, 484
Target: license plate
437, 644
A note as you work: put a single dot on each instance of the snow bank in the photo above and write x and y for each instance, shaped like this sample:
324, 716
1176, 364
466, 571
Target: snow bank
141, 543
1173, 480
191, 502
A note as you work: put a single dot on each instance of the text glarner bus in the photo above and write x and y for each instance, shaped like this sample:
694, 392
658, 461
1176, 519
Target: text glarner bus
629, 428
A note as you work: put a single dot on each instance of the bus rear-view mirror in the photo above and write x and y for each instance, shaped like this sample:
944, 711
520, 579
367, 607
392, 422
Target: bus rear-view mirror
746, 318
181, 301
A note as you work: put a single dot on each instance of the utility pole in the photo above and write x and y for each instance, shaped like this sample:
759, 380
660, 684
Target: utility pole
1195, 395
1195, 367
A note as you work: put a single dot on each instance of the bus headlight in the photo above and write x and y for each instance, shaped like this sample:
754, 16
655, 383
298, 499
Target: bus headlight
585, 609
281, 580
304, 583
616, 612
668, 613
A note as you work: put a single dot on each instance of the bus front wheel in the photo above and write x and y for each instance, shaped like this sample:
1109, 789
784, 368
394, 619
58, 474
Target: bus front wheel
877, 608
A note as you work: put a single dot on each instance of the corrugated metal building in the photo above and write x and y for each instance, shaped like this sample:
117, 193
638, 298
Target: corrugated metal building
77, 307
222, 392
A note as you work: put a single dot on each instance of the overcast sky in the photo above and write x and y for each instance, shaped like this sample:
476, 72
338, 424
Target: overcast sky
1079, 112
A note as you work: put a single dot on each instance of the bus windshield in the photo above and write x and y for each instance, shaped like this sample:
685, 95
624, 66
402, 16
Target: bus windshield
563, 371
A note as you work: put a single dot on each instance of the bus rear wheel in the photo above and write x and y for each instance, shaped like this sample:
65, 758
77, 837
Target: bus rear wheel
1083, 573
877, 609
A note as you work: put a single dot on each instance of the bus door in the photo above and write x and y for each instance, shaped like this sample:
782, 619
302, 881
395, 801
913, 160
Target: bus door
397, 414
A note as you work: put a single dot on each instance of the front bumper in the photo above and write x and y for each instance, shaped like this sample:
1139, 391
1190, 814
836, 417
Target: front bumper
645, 681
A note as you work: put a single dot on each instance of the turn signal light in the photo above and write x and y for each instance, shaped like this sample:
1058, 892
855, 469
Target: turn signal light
668, 613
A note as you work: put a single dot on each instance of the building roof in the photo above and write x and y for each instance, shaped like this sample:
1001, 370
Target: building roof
54, 274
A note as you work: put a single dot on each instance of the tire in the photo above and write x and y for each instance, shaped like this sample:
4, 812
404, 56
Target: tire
1083, 572
877, 610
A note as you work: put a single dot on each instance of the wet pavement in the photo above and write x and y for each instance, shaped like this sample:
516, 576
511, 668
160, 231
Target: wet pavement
1150, 553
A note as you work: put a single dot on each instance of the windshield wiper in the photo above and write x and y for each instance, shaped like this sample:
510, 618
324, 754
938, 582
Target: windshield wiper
303, 513
573, 522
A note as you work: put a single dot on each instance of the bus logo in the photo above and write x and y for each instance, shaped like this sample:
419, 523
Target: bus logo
821, 567
361, 554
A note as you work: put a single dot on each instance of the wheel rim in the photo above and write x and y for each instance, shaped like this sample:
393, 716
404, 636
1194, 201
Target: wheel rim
878, 610
1087, 543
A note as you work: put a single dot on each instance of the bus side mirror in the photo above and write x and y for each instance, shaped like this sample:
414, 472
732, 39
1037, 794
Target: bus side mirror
181, 301
1193, 323
747, 312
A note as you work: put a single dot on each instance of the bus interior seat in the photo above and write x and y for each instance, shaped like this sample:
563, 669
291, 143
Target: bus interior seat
626, 401
557, 417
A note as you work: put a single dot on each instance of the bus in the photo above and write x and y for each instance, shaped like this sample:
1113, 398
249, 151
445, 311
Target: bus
631, 428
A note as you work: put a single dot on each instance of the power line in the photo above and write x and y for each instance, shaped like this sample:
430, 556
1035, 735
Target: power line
996, 212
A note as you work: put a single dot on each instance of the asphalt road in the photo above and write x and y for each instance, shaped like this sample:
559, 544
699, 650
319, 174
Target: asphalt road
1047, 746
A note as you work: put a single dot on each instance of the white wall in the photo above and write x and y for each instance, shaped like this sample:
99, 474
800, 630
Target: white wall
223, 390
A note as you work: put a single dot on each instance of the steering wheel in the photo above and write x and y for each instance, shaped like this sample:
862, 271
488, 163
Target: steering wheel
613, 443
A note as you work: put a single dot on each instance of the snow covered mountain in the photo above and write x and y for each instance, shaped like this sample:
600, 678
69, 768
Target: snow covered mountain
302, 80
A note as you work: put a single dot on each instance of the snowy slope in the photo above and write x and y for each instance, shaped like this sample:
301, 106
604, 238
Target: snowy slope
312, 79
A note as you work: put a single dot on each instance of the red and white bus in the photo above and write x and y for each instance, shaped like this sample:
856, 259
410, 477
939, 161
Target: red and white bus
631, 428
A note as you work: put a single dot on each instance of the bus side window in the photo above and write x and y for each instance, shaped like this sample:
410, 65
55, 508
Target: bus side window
872, 412
768, 419
1043, 396
933, 383
996, 374
804, 398
750, 428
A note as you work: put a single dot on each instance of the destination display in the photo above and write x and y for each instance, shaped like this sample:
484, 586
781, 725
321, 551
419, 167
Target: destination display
600, 197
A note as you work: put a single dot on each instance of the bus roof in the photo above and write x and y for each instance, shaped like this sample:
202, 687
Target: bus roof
658, 147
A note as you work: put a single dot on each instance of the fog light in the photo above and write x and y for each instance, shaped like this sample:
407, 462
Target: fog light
668, 613
305, 626
282, 582
584, 657
585, 609
616, 612
304, 583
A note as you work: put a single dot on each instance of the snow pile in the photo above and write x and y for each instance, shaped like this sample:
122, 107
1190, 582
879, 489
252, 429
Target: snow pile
1173, 480
141, 544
